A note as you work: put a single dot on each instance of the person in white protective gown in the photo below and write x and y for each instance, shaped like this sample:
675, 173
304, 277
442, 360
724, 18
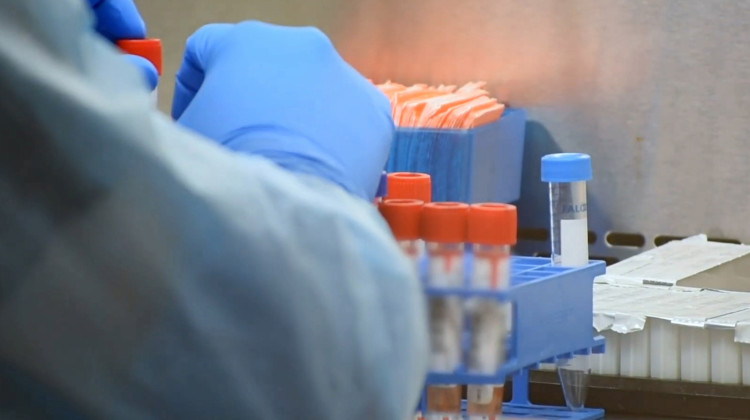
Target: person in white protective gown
229, 264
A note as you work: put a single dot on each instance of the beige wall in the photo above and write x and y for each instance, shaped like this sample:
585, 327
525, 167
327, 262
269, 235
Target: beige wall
657, 91
174, 20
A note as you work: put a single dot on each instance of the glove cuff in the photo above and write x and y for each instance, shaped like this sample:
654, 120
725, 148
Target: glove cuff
291, 151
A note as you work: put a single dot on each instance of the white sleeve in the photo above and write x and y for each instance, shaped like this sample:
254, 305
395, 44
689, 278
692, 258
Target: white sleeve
147, 273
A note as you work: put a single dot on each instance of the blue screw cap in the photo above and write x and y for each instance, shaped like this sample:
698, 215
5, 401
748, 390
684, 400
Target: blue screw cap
566, 167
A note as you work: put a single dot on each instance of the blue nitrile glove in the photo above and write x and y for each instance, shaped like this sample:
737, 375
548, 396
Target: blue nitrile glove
285, 93
148, 69
119, 19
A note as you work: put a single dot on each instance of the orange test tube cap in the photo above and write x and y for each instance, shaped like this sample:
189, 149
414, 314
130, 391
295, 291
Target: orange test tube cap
410, 185
444, 222
150, 49
493, 224
402, 216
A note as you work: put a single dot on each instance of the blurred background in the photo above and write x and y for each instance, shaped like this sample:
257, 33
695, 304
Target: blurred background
658, 92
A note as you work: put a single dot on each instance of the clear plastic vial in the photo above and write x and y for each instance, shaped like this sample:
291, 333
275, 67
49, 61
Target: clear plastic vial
443, 228
411, 186
567, 174
574, 380
492, 228
403, 218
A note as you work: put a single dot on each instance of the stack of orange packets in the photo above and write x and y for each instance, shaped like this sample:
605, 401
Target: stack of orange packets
422, 106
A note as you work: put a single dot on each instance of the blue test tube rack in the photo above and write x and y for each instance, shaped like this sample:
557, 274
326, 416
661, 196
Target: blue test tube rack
552, 319
470, 166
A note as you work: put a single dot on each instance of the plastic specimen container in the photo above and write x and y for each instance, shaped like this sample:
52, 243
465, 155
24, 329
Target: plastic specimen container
403, 217
567, 174
492, 230
443, 227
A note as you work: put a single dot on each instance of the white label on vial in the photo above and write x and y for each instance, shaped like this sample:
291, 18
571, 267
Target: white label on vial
482, 277
574, 242
446, 321
488, 326
447, 271
480, 394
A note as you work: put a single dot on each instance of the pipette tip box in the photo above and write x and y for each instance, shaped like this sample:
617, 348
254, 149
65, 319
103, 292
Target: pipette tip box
479, 165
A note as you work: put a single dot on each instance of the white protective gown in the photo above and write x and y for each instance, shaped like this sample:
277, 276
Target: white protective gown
147, 273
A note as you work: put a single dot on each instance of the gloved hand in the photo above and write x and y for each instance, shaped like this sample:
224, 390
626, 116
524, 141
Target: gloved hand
285, 93
119, 19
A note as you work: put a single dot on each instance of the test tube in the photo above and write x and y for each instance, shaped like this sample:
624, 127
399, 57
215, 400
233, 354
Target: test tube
567, 174
443, 228
151, 50
410, 185
403, 218
492, 229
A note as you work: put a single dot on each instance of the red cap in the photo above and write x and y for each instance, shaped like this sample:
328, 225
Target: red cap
150, 49
493, 224
403, 217
411, 185
444, 222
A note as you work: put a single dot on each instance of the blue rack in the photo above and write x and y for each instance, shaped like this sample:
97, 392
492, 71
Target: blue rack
552, 319
471, 166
